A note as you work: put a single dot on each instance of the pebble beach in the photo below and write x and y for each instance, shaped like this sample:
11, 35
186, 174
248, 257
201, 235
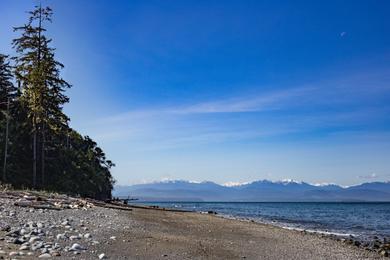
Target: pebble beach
78, 229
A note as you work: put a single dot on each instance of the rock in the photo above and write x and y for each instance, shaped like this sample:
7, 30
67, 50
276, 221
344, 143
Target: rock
13, 253
356, 243
61, 236
88, 235
45, 255
76, 247
74, 237
4, 227
19, 241
30, 224
34, 239
102, 256
113, 237
36, 246
24, 247
384, 253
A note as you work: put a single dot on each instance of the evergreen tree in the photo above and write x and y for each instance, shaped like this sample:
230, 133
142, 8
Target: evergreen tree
42, 87
7, 95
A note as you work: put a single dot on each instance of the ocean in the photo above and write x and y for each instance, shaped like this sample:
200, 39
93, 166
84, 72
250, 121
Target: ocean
361, 220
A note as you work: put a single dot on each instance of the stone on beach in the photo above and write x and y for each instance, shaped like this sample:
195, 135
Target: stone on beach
76, 247
24, 247
61, 236
74, 237
45, 255
88, 235
34, 239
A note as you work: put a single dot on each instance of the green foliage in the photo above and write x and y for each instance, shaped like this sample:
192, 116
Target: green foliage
41, 139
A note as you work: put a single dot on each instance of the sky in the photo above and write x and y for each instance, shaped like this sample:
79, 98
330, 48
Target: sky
226, 91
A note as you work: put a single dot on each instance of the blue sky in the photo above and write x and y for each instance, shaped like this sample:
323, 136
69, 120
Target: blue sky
227, 91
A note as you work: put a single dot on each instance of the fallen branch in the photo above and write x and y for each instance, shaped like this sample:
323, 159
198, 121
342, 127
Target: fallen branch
28, 204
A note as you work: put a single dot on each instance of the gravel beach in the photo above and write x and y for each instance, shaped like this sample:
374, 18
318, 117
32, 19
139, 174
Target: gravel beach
94, 232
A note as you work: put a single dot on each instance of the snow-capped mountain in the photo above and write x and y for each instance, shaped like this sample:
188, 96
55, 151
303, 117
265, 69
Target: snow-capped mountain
263, 190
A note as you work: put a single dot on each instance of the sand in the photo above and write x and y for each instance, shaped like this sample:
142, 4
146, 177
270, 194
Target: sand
172, 235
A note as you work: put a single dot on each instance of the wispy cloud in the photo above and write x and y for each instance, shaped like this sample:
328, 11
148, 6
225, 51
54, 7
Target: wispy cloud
267, 101
359, 88
260, 102
370, 176
350, 105
374, 176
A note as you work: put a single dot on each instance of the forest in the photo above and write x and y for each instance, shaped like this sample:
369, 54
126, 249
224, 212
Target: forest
38, 148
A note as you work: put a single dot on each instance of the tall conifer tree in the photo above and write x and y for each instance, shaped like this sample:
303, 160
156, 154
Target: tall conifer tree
42, 87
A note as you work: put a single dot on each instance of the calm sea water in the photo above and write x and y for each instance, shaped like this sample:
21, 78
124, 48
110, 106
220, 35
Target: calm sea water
364, 220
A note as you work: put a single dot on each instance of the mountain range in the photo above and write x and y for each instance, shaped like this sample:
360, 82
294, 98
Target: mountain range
258, 191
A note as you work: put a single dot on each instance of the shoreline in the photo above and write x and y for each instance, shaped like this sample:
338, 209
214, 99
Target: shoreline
148, 233
335, 234
374, 244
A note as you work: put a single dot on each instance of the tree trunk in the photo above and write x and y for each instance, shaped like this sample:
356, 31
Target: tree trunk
35, 157
43, 157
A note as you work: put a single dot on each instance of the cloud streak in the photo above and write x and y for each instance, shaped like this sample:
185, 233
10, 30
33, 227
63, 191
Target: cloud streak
350, 105
359, 89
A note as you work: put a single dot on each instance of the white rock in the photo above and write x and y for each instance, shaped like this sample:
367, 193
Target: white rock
45, 255
76, 247
24, 247
34, 239
74, 237
113, 237
88, 235
61, 236
102, 256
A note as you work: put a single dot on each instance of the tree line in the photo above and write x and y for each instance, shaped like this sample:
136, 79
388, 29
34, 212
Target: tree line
38, 148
